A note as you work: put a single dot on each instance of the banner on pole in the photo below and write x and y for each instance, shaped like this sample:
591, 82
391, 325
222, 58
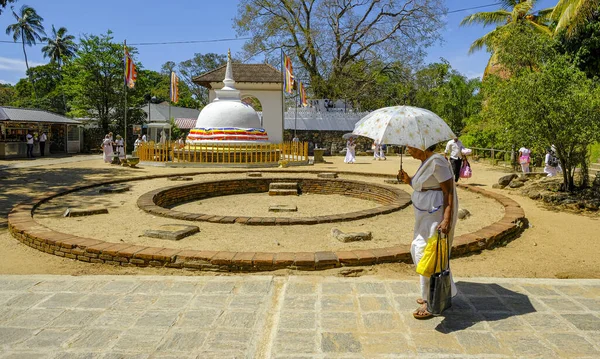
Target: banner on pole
303, 100
130, 70
288, 79
174, 91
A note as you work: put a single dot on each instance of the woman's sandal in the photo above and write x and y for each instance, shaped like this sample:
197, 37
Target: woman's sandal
422, 313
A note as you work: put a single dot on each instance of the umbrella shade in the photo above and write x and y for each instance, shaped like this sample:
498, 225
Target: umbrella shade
405, 126
346, 136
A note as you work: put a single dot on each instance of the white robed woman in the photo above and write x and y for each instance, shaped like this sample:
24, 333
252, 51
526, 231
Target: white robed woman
107, 149
120, 149
435, 204
350, 151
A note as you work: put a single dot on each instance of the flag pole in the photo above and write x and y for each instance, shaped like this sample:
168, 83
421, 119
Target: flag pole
170, 99
282, 96
125, 92
296, 110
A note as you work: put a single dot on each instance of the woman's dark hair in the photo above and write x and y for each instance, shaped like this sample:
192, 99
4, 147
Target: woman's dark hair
431, 148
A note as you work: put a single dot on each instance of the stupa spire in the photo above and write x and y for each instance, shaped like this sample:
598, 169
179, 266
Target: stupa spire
228, 81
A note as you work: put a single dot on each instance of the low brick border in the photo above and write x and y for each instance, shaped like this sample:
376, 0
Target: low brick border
157, 202
23, 227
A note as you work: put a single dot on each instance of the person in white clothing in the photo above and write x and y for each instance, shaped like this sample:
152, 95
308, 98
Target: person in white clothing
120, 149
436, 206
524, 159
43, 139
144, 138
551, 163
382, 152
29, 140
350, 151
107, 149
375, 147
454, 148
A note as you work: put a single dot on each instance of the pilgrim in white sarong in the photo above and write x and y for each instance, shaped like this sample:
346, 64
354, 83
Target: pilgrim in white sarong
350, 151
107, 149
428, 202
120, 148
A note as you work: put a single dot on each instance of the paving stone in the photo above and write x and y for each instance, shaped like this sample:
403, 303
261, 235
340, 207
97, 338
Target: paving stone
540, 290
219, 287
75, 318
26, 300
501, 322
476, 343
298, 320
62, 300
139, 341
156, 318
84, 211
34, 318
136, 301
255, 286
183, 288
583, 321
308, 302
209, 301
405, 288
337, 288
117, 319
591, 304
51, 286
339, 321
338, 303
283, 208
17, 284
371, 288
172, 302
372, 303
49, 338
173, 232
183, 341
96, 339
7, 314
238, 319
247, 301
488, 304
150, 287
382, 344
340, 343
431, 342
562, 305
570, 345
120, 287
97, 301
382, 322
525, 345
300, 288
546, 322
199, 318
524, 305
10, 335
287, 341
230, 340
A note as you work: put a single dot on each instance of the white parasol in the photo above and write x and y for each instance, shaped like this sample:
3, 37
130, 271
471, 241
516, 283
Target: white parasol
405, 126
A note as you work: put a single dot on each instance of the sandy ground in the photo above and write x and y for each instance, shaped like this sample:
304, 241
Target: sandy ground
558, 245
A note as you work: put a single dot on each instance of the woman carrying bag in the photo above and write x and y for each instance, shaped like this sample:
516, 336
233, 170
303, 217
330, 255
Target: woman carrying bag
436, 205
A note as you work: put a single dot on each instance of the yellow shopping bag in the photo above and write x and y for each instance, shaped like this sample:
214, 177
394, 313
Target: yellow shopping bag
427, 265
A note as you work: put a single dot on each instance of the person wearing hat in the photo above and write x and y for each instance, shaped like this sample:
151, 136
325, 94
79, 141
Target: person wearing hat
120, 149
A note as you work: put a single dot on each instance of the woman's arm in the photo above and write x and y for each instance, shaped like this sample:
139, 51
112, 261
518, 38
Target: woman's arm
448, 192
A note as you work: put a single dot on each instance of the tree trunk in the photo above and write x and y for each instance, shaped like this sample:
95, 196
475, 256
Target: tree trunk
27, 65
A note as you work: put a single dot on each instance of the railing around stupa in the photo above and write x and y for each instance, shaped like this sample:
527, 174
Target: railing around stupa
225, 153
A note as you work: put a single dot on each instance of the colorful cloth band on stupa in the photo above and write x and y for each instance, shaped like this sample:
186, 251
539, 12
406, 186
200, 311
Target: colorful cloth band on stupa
227, 134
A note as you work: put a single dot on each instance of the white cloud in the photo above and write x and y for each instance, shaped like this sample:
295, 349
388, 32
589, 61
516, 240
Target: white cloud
4, 82
9, 64
473, 74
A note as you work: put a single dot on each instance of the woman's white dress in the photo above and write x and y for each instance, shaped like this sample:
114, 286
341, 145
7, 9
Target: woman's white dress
525, 152
551, 171
107, 149
120, 148
429, 212
350, 154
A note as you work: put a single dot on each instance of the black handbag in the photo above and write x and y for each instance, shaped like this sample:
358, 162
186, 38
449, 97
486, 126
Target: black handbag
440, 292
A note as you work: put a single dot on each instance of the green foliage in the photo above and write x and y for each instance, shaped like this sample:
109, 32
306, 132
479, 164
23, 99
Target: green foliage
7, 94
555, 105
3, 4
28, 28
584, 45
59, 46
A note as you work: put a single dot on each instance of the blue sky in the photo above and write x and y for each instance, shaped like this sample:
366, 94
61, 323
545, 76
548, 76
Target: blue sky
189, 20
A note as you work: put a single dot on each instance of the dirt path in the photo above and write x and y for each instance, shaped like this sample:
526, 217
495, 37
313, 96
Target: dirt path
558, 245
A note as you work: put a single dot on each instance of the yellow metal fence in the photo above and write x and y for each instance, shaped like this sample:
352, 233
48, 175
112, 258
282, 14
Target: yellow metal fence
251, 153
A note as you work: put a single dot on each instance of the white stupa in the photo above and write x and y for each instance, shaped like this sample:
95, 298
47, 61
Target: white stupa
227, 118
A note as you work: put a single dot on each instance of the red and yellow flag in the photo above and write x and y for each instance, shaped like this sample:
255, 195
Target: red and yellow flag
303, 100
288, 81
174, 91
130, 70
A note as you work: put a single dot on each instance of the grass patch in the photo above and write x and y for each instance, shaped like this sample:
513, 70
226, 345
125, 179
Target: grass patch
595, 152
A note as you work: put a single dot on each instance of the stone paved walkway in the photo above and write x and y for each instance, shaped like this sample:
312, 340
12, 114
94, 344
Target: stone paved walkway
292, 317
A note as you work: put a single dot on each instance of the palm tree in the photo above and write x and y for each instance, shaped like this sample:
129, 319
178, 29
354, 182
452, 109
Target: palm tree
59, 46
27, 28
511, 12
572, 14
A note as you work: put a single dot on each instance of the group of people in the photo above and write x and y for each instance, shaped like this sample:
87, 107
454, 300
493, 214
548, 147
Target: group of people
111, 146
551, 162
378, 151
30, 139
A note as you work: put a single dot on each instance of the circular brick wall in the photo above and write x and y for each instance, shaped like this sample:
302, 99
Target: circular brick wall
157, 202
24, 228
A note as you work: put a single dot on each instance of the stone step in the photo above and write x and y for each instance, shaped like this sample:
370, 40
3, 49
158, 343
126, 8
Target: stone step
283, 185
283, 192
